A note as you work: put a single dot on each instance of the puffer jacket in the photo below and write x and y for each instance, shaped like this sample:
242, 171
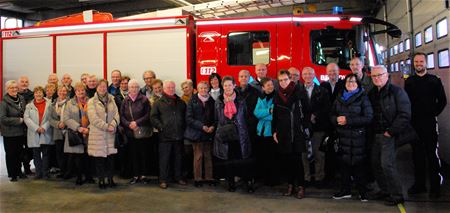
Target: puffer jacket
31, 119
100, 141
198, 116
352, 136
168, 118
220, 148
264, 116
11, 115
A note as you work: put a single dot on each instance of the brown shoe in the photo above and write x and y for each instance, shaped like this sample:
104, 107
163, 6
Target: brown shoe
163, 185
289, 191
301, 193
182, 182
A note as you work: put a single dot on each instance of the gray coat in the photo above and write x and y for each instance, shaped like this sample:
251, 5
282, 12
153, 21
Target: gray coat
72, 121
11, 117
54, 121
31, 119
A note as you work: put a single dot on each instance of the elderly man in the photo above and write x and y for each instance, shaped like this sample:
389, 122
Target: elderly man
113, 89
356, 65
334, 85
428, 100
167, 115
91, 86
53, 79
318, 111
67, 82
148, 77
84, 78
392, 114
28, 96
261, 72
295, 75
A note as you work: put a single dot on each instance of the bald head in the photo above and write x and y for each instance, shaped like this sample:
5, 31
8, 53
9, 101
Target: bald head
333, 72
308, 75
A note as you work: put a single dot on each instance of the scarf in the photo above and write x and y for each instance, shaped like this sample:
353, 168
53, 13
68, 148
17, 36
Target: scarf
133, 97
82, 106
59, 106
41, 109
286, 93
103, 98
347, 95
230, 107
172, 98
215, 93
203, 99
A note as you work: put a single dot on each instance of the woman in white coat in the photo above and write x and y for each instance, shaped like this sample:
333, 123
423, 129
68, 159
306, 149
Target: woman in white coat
103, 118
39, 133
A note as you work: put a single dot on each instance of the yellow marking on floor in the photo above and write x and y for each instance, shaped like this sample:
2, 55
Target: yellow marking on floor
401, 207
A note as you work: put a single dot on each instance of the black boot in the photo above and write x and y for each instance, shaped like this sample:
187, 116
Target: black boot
101, 183
251, 186
111, 182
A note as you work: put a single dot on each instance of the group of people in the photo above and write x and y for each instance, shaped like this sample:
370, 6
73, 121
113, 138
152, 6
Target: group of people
273, 130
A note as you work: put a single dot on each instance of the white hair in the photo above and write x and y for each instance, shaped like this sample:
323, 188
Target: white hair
132, 82
167, 82
10, 83
382, 67
188, 82
309, 68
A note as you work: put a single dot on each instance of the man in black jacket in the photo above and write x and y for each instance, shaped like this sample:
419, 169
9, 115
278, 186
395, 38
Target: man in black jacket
427, 101
318, 114
167, 115
28, 96
392, 114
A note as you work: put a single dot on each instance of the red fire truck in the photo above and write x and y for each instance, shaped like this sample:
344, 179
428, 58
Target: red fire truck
180, 48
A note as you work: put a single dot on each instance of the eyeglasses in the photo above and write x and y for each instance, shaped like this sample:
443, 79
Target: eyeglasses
378, 76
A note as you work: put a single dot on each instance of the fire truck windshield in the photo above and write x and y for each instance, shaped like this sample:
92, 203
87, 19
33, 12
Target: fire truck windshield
333, 46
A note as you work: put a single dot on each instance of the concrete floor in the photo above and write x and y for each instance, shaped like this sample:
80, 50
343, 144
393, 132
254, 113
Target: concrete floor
63, 196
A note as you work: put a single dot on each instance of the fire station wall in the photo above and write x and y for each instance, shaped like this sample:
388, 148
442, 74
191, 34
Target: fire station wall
31, 57
163, 51
79, 54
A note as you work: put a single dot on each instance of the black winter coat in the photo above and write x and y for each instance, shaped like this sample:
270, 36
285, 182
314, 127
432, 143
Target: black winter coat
319, 106
221, 148
168, 118
288, 122
198, 116
352, 139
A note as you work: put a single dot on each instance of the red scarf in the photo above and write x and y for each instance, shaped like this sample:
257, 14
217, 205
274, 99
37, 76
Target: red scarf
41, 109
230, 108
286, 93
172, 98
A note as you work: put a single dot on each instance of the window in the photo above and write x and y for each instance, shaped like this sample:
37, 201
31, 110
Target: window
402, 66
392, 67
400, 47
395, 49
428, 34
391, 51
333, 45
396, 66
430, 61
408, 61
407, 44
441, 28
419, 39
248, 48
443, 59
8, 23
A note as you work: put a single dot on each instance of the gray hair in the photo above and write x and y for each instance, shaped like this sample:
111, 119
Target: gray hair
188, 82
167, 82
248, 72
10, 83
132, 82
309, 68
149, 72
382, 67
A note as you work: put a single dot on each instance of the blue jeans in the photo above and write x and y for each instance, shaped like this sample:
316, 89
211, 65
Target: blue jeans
385, 166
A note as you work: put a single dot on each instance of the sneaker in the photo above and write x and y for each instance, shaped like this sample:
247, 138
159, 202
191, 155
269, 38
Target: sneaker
342, 195
363, 197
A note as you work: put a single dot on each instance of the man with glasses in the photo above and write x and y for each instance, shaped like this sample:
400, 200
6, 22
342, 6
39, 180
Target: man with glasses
148, 77
295, 75
428, 100
392, 113
356, 65
113, 89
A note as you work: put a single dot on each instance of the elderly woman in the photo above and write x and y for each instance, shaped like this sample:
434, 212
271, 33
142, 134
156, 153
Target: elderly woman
215, 86
59, 127
39, 133
287, 125
50, 92
266, 154
188, 90
199, 130
157, 90
103, 118
76, 119
231, 143
351, 113
135, 114
12, 109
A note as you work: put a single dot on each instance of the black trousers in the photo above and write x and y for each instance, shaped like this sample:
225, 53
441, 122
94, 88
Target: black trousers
138, 155
153, 146
104, 166
26, 154
41, 159
267, 160
13, 151
170, 157
293, 168
76, 164
61, 157
425, 154
357, 171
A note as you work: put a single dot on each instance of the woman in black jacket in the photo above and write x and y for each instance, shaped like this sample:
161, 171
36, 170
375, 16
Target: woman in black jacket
351, 113
231, 143
199, 130
288, 131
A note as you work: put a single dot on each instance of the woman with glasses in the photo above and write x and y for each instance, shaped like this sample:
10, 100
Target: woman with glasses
351, 113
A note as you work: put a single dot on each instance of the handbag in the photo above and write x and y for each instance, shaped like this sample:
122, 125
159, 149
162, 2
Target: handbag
142, 131
75, 138
228, 132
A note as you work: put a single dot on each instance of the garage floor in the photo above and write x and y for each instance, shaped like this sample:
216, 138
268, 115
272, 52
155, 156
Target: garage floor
63, 196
